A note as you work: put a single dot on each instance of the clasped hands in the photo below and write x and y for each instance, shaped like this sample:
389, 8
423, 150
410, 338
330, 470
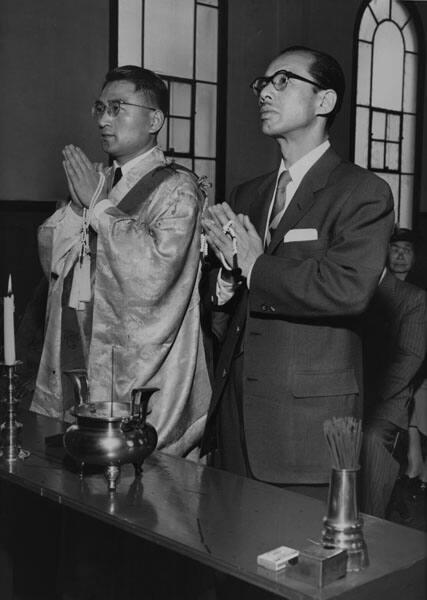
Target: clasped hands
82, 176
249, 243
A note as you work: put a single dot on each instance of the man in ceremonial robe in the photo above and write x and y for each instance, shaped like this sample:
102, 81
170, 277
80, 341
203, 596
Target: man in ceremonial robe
311, 240
122, 259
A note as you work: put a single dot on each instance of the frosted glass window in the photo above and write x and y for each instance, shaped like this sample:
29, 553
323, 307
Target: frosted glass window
410, 37
130, 33
206, 43
207, 168
406, 203
179, 135
175, 136
363, 74
185, 162
164, 51
392, 157
362, 137
393, 128
367, 26
387, 76
378, 125
180, 99
205, 120
399, 14
393, 181
410, 89
408, 146
380, 8
377, 158
386, 98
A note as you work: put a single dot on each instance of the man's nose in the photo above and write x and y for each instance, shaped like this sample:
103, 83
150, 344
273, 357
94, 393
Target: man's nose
265, 93
104, 119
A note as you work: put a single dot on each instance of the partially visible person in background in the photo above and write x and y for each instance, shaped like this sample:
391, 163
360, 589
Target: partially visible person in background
402, 257
395, 345
415, 478
401, 254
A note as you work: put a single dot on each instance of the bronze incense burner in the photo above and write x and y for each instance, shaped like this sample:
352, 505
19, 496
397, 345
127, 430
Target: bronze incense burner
110, 434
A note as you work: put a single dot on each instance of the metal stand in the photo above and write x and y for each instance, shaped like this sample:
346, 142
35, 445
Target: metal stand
11, 429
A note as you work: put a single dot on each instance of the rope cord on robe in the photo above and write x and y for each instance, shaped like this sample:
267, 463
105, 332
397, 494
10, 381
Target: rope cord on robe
80, 292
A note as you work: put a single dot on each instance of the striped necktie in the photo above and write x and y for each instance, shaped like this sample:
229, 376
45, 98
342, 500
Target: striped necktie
278, 205
280, 198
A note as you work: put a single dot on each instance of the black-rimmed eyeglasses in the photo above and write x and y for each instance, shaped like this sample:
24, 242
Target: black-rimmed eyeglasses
113, 107
279, 80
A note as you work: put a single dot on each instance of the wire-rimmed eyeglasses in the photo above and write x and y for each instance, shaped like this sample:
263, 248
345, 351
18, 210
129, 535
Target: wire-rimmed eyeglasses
279, 80
113, 107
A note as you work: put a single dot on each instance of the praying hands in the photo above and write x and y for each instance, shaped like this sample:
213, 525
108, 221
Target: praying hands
83, 176
249, 244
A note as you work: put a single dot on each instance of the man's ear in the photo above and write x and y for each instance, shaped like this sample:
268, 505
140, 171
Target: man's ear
157, 120
327, 102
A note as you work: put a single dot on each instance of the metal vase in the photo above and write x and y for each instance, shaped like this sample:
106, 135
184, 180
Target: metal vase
343, 526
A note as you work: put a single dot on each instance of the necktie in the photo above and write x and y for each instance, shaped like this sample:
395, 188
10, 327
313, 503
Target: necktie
280, 198
117, 176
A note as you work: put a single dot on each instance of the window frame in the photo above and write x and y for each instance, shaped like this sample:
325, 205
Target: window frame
418, 113
220, 154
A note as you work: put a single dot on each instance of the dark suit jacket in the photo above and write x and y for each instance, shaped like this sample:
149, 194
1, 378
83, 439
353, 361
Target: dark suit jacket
395, 346
298, 323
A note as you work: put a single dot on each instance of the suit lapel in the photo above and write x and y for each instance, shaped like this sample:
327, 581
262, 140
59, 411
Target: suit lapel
313, 181
258, 210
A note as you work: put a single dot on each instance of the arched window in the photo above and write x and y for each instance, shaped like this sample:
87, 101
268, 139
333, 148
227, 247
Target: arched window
386, 99
180, 42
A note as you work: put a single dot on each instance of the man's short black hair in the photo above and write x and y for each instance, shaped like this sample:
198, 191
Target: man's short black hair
327, 72
152, 85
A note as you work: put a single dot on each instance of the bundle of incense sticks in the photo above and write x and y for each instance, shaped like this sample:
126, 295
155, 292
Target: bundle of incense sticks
344, 439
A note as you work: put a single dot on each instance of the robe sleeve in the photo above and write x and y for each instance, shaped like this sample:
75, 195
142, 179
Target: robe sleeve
57, 237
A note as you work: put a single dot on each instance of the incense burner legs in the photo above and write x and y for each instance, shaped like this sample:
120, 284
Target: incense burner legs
343, 526
11, 429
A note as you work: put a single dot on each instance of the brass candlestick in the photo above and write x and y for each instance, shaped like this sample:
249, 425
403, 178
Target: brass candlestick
11, 429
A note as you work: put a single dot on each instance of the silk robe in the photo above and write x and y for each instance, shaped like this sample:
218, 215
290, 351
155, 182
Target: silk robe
145, 303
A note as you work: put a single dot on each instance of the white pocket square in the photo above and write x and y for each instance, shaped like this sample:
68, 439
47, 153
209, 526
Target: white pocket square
301, 235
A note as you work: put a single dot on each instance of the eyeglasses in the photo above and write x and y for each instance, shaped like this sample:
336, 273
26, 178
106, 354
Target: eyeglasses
280, 80
113, 107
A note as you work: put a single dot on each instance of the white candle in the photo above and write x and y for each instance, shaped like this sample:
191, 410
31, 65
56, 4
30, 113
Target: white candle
9, 328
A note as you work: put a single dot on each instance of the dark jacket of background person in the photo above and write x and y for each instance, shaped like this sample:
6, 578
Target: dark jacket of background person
395, 347
395, 343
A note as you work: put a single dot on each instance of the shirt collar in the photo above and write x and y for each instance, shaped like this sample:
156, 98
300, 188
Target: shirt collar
300, 168
127, 166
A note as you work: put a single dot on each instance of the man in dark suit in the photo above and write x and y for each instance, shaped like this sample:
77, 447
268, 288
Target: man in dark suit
395, 347
311, 246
